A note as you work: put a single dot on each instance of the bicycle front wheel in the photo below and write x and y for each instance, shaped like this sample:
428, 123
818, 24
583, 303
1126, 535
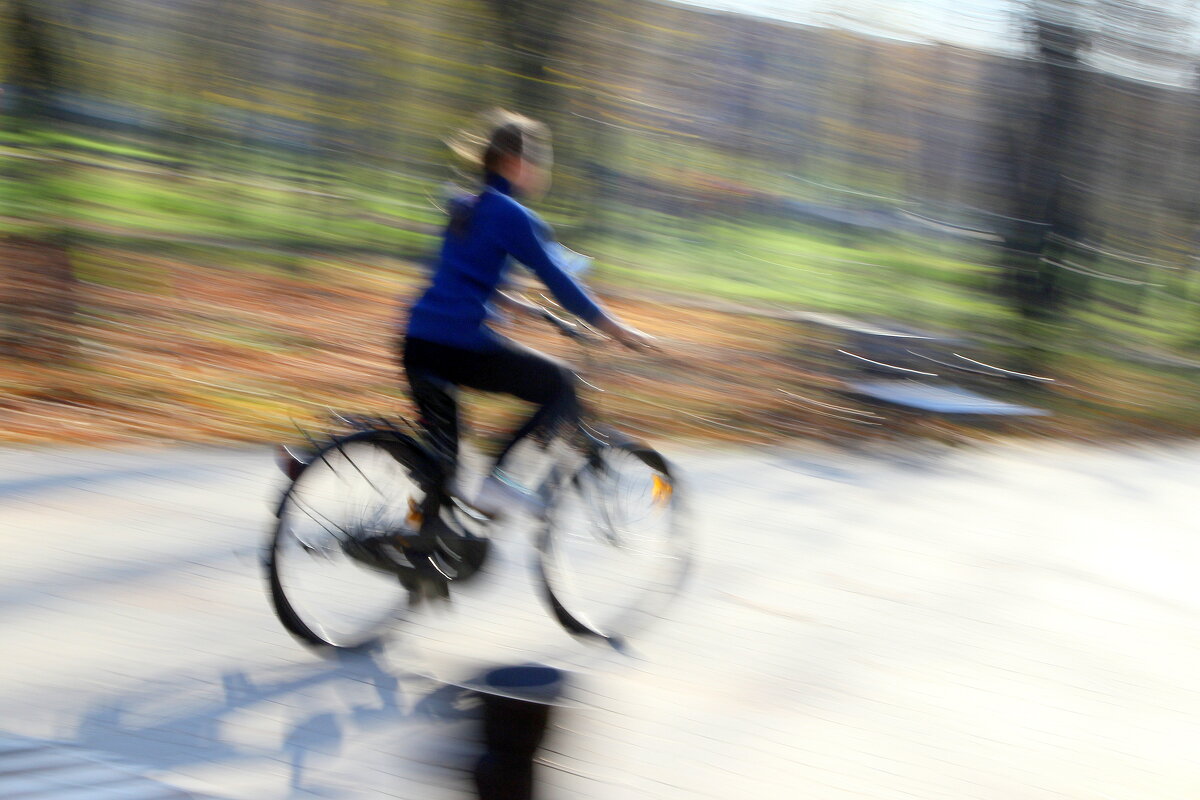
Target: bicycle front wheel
326, 589
613, 551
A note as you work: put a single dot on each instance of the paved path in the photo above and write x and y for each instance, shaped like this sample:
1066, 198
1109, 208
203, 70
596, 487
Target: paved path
1008, 623
32, 769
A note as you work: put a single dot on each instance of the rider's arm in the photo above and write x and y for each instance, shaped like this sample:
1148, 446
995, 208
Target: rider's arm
510, 301
526, 238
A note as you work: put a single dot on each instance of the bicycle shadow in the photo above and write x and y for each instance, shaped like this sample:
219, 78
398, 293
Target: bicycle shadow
302, 717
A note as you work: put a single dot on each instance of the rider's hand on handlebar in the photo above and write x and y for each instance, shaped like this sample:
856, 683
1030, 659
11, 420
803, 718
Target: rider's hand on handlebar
629, 336
637, 340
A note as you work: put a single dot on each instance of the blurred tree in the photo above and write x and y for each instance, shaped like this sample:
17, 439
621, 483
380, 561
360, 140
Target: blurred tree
533, 33
545, 41
39, 299
1083, 148
1042, 132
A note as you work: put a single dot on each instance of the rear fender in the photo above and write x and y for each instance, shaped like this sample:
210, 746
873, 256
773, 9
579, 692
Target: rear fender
422, 467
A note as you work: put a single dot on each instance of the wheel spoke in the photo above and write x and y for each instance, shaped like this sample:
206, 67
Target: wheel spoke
360, 491
349, 491
612, 552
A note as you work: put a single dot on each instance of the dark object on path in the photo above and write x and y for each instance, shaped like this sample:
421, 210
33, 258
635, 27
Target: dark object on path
517, 702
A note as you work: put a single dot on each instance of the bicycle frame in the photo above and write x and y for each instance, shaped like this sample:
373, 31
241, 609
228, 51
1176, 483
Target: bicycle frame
439, 541
592, 438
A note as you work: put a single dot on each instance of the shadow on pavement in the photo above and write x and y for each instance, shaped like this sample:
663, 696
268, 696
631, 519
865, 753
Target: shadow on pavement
293, 714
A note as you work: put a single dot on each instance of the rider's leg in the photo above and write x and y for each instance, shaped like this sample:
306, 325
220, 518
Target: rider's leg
549, 384
546, 382
435, 398
509, 368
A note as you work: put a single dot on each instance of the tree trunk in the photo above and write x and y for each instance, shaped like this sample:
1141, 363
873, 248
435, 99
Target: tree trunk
38, 297
1045, 209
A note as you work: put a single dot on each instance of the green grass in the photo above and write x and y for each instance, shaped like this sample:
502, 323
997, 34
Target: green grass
805, 269
748, 259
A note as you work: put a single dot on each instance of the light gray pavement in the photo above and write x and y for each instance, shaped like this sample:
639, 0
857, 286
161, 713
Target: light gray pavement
1006, 623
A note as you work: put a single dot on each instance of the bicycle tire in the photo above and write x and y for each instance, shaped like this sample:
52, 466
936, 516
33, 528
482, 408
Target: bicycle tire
320, 517
586, 515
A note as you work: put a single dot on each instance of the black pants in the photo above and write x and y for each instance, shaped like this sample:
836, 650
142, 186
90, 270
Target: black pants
436, 370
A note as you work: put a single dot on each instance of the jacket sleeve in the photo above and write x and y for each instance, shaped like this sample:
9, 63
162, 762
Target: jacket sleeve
527, 239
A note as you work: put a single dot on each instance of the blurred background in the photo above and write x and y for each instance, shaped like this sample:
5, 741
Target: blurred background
847, 222
214, 211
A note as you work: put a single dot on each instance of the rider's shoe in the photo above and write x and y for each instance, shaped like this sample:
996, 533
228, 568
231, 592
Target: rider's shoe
500, 496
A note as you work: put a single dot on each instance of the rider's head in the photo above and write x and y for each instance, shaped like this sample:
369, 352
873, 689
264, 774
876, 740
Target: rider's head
518, 149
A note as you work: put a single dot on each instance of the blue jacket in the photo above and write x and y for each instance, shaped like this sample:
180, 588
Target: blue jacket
456, 307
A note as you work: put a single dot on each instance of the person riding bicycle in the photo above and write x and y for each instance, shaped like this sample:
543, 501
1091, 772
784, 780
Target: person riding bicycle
449, 343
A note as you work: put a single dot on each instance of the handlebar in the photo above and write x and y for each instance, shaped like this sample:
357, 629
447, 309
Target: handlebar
580, 333
567, 328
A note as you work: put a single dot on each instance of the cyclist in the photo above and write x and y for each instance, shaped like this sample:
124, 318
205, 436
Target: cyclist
449, 343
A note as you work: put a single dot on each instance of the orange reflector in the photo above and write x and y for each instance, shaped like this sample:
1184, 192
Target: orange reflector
662, 489
415, 516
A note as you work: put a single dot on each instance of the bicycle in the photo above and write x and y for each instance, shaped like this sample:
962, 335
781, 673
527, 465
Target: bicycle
370, 512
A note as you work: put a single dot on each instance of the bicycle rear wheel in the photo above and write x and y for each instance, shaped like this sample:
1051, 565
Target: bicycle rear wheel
334, 576
613, 550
